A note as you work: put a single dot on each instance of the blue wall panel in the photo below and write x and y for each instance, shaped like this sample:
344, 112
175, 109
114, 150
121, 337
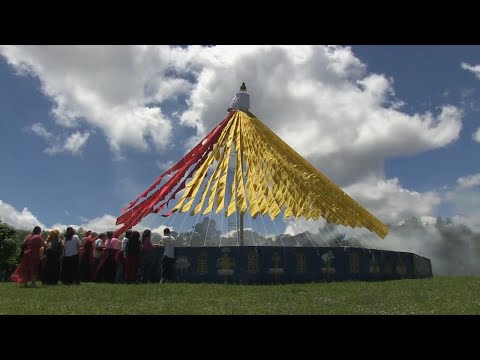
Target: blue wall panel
264, 265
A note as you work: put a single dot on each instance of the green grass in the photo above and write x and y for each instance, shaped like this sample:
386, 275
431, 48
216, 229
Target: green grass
439, 295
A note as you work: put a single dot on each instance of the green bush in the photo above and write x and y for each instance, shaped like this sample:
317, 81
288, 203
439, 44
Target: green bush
9, 248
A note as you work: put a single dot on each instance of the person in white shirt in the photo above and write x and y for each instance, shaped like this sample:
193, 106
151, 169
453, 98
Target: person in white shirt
168, 258
71, 248
97, 253
121, 256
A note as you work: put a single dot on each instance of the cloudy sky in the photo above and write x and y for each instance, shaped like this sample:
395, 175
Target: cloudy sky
85, 129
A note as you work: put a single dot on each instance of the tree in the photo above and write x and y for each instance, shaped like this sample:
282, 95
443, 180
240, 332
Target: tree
204, 233
8, 248
21, 235
253, 238
80, 232
207, 228
7, 232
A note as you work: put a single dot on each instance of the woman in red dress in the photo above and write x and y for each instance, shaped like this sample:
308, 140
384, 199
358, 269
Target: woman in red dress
133, 249
28, 268
86, 256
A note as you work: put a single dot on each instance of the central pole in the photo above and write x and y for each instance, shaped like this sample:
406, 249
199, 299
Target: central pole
240, 224
241, 101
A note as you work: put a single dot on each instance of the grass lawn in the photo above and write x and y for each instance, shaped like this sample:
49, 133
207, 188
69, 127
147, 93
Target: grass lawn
438, 295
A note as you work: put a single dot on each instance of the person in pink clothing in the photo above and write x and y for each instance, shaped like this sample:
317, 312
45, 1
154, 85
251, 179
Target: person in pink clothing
147, 257
107, 269
86, 256
28, 268
133, 249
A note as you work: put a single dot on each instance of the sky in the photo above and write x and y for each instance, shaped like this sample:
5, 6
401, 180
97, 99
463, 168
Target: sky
85, 129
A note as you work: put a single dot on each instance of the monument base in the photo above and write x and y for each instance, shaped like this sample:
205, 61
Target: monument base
279, 264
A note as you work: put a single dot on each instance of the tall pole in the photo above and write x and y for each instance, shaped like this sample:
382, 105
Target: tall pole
241, 227
240, 215
241, 102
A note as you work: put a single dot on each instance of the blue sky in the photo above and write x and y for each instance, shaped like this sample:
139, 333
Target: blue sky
86, 129
427, 77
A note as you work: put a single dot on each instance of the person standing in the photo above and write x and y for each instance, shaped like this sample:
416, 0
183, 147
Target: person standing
86, 257
28, 268
147, 258
133, 249
97, 254
107, 268
121, 258
168, 258
70, 263
51, 260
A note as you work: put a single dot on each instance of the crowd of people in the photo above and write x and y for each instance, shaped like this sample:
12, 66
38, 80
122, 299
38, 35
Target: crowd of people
97, 257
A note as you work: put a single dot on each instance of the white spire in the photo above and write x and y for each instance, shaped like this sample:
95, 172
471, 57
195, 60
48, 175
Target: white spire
241, 100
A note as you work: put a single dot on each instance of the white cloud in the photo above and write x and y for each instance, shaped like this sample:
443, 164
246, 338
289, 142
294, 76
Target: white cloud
465, 201
294, 227
99, 224
164, 166
248, 231
76, 141
469, 181
389, 202
18, 219
26, 220
106, 87
39, 129
158, 230
470, 220
428, 220
476, 135
106, 223
103, 223
475, 69
320, 100
385, 199
73, 144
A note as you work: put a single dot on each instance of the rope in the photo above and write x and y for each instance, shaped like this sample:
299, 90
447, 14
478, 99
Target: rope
374, 246
206, 234
348, 239
334, 237
221, 231
251, 227
361, 243
238, 222
266, 233
316, 247
181, 226
278, 233
284, 248
193, 231
296, 240
321, 236
174, 218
